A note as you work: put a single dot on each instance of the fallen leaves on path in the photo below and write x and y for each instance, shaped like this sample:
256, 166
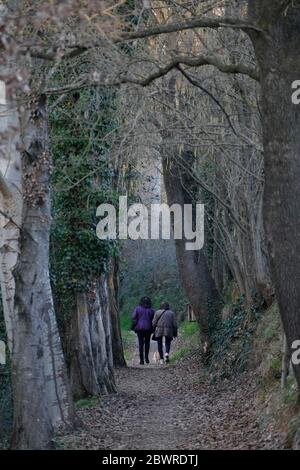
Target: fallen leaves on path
169, 408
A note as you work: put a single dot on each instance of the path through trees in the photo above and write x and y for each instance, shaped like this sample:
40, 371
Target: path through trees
170, 407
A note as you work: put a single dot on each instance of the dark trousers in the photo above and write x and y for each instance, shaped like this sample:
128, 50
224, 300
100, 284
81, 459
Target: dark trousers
144, 337
168, 342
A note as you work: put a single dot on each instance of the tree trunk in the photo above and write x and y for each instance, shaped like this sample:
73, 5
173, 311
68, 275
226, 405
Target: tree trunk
217, 257
11, 205
89, 343
285, 362
278, 58
261, 268
41, 394
196, 278
113, 287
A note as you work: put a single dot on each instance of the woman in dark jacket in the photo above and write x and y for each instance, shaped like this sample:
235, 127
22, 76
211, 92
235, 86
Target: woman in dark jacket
142, 320
165, 326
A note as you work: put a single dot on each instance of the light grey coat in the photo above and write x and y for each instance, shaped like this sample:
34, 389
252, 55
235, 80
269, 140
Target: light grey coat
164, 324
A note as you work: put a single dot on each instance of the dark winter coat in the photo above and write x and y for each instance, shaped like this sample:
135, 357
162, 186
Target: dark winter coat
164, 324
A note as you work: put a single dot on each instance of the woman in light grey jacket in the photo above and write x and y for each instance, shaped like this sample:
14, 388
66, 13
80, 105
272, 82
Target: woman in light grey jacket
165, 326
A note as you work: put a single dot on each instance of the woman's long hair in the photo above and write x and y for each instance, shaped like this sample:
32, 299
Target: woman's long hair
145, 302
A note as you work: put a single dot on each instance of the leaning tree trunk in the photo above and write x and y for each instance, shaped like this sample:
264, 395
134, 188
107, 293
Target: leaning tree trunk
277, 51
113, 287
41, 394
196, 278
89, 341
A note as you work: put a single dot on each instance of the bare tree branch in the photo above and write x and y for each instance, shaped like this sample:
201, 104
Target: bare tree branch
217, 62
221, 65
201, 22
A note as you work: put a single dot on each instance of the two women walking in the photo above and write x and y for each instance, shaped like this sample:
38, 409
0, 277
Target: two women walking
162, 324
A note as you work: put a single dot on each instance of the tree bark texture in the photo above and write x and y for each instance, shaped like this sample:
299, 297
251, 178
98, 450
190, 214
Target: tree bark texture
113, 288
90, 356
41, 393
277, 52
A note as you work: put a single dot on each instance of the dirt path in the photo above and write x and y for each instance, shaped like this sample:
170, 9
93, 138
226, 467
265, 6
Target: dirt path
167, 408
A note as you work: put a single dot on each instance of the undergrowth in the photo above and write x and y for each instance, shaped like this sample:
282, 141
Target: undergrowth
90, 402
276, 403
188, 341
232, 341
